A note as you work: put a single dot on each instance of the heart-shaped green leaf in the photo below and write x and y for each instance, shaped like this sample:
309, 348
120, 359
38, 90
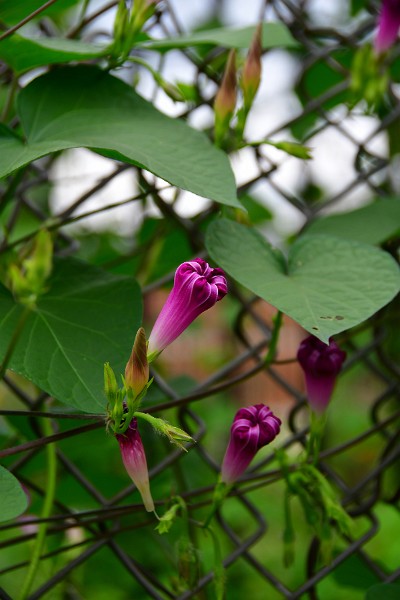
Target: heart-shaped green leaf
82, 106
327, 285
13, 500
86, 318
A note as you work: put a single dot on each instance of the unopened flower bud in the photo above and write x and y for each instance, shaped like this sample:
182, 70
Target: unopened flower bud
225, 100
388, 25
137, 368
134, 459
174, 434
321, 364
251, 75
110, 384
253, 427
197, 287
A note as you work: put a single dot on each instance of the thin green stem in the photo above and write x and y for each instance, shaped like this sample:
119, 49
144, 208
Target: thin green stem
315, 437
26, 19
10, 191
221, 490
274, 339
10, 98
219, 570
13, 342
46, 510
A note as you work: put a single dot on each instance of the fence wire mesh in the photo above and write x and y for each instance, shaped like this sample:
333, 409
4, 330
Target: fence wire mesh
358, 461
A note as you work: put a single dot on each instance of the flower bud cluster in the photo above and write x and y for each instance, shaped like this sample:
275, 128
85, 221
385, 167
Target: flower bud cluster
226, 97
197, 287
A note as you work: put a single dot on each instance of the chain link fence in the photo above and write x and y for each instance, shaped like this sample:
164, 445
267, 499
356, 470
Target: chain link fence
203, 388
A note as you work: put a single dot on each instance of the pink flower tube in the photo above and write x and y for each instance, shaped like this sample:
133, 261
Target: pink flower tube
321, 364
388, 25
134, 459
197, 287
253, 427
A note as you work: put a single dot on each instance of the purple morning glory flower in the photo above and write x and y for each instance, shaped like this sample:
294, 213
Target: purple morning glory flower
253, 427
197, 287
321, 364
134, 459
388, 25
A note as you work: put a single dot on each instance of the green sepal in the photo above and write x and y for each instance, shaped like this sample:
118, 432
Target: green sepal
174, 434
168, 519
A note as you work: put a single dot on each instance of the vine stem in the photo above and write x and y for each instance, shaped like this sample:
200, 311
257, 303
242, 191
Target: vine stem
27, 19
221, 491
274, 339
46, 510
13, 342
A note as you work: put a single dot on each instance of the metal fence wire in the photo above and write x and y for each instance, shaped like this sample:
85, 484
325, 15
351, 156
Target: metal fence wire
360, 466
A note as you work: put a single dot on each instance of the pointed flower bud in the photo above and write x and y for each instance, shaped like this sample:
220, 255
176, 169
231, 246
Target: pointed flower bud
253, 427
225, 100
137, 368
388, 25
251, 75
197, 287
321, 364
174, 434
111, 389
134, 459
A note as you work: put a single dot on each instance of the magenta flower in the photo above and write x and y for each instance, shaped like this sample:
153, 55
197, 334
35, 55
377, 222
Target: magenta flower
253, 427
134, 459
321, 364
388, 25
197, 287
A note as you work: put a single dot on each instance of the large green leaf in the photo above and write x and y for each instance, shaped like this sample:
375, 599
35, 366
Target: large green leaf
22, 54
274, 35
85, 107
327, 285
372, 224
13, 11
13, 499
86, 318
383, 591
354, 572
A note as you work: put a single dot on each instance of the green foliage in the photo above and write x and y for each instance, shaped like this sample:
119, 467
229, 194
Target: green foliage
383, 591
369, 77
320, 81
86, 317
28, 276
23, 54
291, 148
85, 107
13, 500
13, 11
356, 6
257, 212
372, 224
355, 573
274, 35
327, 285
